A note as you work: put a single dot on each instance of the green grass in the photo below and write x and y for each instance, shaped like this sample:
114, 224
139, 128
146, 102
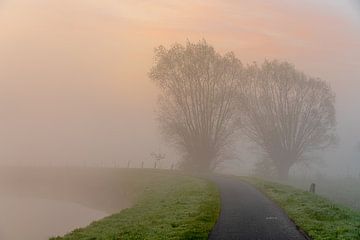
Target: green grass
317, 216
169, 207
342, 190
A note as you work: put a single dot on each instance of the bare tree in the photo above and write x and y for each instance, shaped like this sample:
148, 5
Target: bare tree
286, 113
196, 106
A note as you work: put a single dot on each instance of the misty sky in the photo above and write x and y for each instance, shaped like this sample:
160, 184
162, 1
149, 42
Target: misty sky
73, 73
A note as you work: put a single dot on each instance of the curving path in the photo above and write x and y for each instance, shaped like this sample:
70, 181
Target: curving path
246, 214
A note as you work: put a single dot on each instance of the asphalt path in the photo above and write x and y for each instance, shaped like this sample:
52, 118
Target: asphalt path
246, 214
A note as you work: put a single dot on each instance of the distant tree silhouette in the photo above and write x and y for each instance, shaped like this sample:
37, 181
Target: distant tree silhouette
157, 157
196, 106
286, 113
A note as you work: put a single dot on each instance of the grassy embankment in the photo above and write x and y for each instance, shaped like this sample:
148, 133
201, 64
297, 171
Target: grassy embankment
170, 206
341, 189
318, 217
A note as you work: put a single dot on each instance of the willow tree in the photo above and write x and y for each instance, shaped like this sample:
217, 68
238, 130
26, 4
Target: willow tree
286, 113
197, 101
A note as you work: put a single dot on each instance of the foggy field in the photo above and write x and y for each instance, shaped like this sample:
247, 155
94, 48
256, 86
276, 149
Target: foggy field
58, 200
320, 218
168, 204
118, 118
172, 206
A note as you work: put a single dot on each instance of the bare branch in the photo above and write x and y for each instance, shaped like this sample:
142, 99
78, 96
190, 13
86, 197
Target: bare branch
285, 112
197, 104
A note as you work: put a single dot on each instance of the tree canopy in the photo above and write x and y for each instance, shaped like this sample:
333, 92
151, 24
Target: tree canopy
197, 103
206, 97
285, 112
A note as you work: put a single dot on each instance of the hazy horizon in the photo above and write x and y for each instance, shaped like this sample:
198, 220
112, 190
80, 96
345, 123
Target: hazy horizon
73, 74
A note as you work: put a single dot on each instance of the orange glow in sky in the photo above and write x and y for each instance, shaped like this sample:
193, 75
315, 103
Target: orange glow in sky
74, 69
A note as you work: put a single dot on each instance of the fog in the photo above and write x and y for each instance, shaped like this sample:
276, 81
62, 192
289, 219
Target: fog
40, 211
74, 85
43, 202
75, 91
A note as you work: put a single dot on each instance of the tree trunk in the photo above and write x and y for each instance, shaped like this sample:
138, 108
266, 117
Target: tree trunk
283, 170
200, 160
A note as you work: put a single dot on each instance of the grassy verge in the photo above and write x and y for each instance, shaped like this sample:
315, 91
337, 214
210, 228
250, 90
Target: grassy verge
342, 190
170, 207
317, 216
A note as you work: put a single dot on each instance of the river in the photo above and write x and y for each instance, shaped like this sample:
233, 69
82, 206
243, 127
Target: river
38, 219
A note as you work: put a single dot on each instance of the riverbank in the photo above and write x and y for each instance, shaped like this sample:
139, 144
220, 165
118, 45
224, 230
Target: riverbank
172, 206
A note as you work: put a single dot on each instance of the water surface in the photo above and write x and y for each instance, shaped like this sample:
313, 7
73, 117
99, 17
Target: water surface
33, 218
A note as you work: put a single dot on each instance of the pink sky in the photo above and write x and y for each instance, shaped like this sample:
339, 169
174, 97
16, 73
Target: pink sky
73, 73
